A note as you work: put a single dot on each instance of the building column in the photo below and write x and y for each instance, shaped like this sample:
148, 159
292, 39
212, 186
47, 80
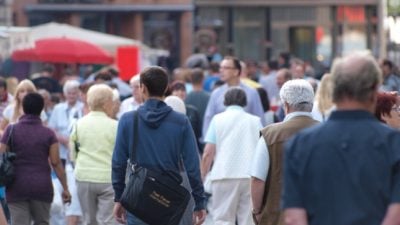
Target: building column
382, 14
21, 17
186, 35
138, 27
132, 25
75, 19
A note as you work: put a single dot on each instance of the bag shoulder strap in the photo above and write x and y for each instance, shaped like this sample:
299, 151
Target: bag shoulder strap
10, 139
76, 142
135, 138
132, 158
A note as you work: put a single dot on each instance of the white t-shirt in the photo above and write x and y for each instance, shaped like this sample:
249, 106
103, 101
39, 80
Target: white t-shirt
260, 163
9, 111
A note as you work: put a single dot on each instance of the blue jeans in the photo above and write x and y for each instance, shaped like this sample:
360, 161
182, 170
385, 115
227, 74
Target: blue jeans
133, 220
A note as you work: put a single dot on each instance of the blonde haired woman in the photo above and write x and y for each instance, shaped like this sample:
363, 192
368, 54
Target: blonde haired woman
14, 111
95, 133
323, 104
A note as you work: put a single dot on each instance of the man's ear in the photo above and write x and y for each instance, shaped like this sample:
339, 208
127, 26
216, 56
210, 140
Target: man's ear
143, 90
286, 108
385, 117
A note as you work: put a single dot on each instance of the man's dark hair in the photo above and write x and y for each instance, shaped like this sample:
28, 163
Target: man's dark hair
264, 98
236, 63
177, 86
235, 96
214, 67
388, 63
33, 104
197, 76
48, 69
155, 79
104, 75
3, 83
273, 65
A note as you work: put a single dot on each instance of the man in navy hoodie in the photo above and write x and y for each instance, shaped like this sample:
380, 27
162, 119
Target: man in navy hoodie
165, 136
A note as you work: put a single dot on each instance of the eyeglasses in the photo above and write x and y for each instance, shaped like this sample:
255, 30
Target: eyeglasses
227, 68
396, 108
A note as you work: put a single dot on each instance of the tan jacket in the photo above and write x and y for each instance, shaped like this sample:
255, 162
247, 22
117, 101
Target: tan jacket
275, 136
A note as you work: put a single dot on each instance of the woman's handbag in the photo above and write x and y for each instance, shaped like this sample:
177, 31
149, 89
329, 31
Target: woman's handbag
6, 166
157, 198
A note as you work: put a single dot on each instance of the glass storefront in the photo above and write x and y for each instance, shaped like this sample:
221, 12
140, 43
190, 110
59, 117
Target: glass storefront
249, 33
313, 33
161, 31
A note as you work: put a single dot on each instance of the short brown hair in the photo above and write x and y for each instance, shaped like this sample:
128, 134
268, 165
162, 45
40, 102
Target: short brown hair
197, 76
155, 79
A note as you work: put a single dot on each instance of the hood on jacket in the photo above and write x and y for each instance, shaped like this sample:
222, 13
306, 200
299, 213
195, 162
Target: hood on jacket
153, 112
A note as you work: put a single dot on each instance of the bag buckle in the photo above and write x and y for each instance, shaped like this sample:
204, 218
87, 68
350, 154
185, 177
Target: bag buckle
134, 167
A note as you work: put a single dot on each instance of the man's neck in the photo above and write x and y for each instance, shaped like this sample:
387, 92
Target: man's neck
71, 104
233, 82
197, 87
354, 105
154, 97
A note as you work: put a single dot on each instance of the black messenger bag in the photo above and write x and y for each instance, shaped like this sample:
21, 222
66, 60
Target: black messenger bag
157, 198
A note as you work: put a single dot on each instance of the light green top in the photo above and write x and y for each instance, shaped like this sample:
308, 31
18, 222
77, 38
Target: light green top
96, 135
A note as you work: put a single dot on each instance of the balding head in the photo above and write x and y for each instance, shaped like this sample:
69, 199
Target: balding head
355, 77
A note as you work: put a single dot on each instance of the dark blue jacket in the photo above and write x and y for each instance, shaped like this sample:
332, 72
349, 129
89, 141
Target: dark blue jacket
165, 136
344, 171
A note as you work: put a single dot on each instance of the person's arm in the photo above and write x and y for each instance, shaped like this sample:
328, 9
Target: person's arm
392, 216
257, 194
295, 216
3, 220
60, 172
258, 173
209, 113
208, 158
191, 161
119, 162
3, 148
71, 144
121, 155
292, 197
4, 140
3, 124
258, 109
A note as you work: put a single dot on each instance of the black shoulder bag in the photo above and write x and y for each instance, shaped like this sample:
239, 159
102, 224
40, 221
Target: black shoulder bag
7, 173
157, 198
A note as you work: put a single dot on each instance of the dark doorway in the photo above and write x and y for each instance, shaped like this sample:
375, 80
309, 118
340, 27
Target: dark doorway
302, 43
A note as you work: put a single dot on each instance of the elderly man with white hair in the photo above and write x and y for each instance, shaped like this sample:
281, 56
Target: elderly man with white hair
132, 103
297, 97
63, 117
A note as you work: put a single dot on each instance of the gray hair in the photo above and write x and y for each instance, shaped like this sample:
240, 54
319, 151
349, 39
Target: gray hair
69, 85
298, 94
356, 77
235, 96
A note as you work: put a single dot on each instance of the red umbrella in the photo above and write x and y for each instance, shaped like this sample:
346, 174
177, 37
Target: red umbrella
63, 50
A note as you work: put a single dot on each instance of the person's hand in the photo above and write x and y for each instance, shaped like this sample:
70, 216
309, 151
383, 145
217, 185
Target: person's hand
199, 217
63, 140
119, 213
256, 218
66, 196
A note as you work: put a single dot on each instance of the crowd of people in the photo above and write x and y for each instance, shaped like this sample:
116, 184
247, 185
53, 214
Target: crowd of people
269, 143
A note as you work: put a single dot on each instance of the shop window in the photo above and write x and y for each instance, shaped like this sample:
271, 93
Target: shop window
93, 21
161, 31
352, 29
249, 33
